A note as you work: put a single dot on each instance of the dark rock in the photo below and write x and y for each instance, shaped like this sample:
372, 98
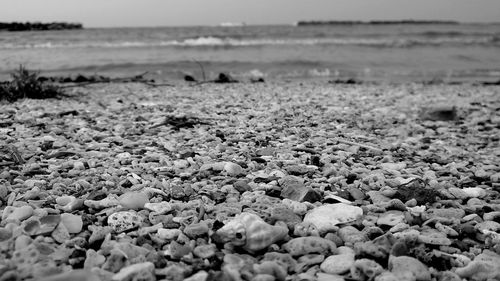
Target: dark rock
439, 113
241, 186
257, 80
417, 190
225, 78
295, 189
189, 78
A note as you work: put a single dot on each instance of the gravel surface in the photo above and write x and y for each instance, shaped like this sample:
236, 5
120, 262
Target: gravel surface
274, 181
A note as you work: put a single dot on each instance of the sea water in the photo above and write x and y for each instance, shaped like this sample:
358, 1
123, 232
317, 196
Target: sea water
415, 52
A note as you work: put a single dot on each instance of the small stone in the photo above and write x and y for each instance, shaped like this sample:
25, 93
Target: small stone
326, 217
389, 276
5, 234
17, 213
377, 248
93, 259
115, 261
233, 169
272, 268
177, 250
205, 251
139, 271
69, 203
73, 223
391, 218
110, 201
159, 208
439, 113
60, 233
483, 267
402, 265
303, 229
320, 276
365, 269
242, 186
198, 276
393, 166
285, 214
284, 259
433, 237
350, 235
298, 208
294, 189
196, 229
73, 275
47, 224
98, 232
124, 220
306, 245
474, 192
443, 213
168, 234
338, 264
457, 193
133, 200
356, 193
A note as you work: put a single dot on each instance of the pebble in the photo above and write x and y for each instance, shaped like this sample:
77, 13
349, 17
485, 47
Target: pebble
60, 233
196, 229
139, 271
483, 267
73, 275
433, 237
402, 265
17, 213
364, 269
293, 188
337, 264
306, 245
299, 208
474, 192
351, 235
233, 169
69, 203
391, 218
169, 234
326, 217
205, 251
133, 200
159, 208
124, 220
73, 223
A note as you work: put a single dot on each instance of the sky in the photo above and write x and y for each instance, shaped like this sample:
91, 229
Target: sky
120, 13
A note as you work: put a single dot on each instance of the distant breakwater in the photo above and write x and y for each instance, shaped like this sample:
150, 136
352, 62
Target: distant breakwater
38, 26
374, 22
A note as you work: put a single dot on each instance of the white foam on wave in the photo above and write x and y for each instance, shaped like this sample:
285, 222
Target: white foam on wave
211, 41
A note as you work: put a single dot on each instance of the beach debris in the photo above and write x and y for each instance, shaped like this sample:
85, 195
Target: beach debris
439, 113
225, 78
124, 220
250, 232
179, 122
306, 245
226, 201
327, 216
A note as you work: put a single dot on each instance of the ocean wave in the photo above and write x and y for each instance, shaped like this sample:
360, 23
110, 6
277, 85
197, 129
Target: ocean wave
228, 42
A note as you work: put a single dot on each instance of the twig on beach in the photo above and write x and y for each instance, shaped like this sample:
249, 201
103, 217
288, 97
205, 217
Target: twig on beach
368, 147
202, 70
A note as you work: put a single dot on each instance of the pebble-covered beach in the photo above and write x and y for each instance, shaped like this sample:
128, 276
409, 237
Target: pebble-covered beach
266, 181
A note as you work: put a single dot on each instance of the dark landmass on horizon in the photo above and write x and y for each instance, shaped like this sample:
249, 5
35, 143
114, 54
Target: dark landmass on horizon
38, 26
374, 22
